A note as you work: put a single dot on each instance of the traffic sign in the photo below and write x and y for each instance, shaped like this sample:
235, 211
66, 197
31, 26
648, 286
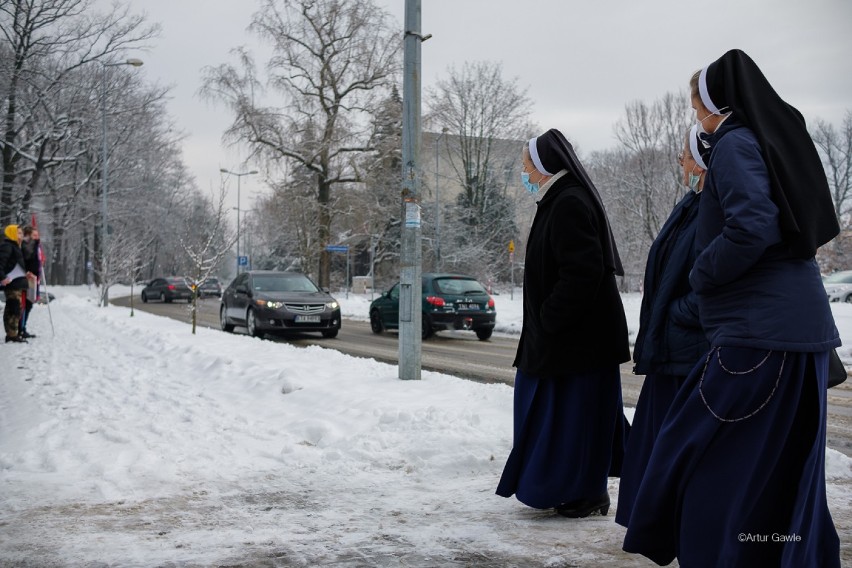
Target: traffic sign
337, 248
242, 261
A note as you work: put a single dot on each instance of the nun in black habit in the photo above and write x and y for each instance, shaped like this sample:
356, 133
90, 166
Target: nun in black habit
737, 473
569, 425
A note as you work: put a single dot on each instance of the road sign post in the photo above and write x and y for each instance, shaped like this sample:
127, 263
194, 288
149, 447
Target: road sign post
344, 249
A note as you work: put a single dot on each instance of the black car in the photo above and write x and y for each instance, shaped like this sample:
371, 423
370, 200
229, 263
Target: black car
274, 302
167, 289
449, 301
210, 287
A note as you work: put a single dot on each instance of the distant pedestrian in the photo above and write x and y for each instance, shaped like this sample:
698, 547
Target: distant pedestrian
670, 340
13, 278
737, 473
32, 264
569, 425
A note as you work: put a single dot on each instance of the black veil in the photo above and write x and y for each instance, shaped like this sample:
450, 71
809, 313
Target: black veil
554, 153
734, 83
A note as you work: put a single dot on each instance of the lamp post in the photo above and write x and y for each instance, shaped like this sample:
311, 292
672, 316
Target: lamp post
105, 174
239, 176
438, 205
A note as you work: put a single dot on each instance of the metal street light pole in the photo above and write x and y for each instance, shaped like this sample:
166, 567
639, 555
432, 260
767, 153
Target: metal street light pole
105, 175
239, 176
410, 311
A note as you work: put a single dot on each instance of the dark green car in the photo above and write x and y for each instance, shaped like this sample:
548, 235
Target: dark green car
450, 301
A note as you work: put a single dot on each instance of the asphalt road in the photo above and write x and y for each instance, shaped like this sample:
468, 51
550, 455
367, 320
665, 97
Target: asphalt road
461, 354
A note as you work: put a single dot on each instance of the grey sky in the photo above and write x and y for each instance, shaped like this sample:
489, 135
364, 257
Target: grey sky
582, 61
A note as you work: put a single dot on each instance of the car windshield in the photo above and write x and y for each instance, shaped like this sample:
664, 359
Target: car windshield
176, 281
844, 277
211, 282
458, 286
283, 283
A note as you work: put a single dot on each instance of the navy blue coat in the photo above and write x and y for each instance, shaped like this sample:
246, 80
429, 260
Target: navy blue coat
670, 339
573, 316
752, 291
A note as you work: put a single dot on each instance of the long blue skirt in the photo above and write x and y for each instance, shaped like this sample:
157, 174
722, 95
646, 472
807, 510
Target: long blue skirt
569, 435
655, 399
737, 474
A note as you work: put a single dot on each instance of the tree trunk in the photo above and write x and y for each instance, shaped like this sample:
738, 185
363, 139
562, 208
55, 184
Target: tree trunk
324, 232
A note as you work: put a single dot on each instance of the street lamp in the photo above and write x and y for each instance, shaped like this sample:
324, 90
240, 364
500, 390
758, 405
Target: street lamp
239, 175
105, 173
438, 205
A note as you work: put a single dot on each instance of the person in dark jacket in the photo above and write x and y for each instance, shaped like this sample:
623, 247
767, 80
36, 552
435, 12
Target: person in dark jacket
32, 264
13, 278
670, 339
737, 474
569, 425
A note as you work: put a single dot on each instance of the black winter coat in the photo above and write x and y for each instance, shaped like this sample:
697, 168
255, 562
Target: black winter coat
31, 260
670, 339
10, 256
573, 316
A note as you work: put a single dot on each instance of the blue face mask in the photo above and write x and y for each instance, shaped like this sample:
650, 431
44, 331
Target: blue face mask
693, 182
531, 187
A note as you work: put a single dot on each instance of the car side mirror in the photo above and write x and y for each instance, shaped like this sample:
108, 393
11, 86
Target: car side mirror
326, 290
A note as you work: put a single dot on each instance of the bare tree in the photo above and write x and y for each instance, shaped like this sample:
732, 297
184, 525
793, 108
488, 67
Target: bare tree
206, 241
835, 148
488, 117
332, 60
640, 181
45, 41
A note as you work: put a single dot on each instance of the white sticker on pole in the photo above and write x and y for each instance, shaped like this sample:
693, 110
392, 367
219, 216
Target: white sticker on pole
412, 214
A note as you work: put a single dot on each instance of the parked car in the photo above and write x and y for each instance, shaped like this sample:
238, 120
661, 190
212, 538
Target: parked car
210, 287
449, 301
838, 286
275, 302
167, 289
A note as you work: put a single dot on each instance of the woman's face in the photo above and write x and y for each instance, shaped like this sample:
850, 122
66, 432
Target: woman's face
689, 166
707, 119
528, 167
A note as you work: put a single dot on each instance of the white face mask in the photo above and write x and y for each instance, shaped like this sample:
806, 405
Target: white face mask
701, 124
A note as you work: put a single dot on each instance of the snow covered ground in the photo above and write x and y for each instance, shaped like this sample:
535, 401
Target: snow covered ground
130, 442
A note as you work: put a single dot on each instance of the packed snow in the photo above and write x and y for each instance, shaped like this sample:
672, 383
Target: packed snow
128, 441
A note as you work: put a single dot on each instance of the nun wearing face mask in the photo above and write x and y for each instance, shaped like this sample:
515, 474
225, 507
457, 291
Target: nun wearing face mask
670, 340
569, 425
737, 473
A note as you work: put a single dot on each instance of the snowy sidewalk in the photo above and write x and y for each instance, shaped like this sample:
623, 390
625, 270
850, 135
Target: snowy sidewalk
130, 442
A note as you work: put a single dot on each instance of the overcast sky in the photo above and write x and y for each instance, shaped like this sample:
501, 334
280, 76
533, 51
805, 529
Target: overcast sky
582, 61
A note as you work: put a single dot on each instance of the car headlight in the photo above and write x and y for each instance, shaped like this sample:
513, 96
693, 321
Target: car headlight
332, 305
274, 305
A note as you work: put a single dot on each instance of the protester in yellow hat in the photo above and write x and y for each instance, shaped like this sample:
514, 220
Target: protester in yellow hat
13, 278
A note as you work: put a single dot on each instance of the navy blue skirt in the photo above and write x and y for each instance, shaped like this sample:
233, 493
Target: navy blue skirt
737, 473
655, 399
569, 435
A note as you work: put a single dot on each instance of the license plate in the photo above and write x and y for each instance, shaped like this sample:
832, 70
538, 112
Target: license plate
468, 306
307, 319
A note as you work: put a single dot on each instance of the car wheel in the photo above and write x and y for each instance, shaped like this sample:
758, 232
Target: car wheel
330, 334
144, 298
427, 330
376, 322
848, 299
251, 324
483, 334
223, 321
